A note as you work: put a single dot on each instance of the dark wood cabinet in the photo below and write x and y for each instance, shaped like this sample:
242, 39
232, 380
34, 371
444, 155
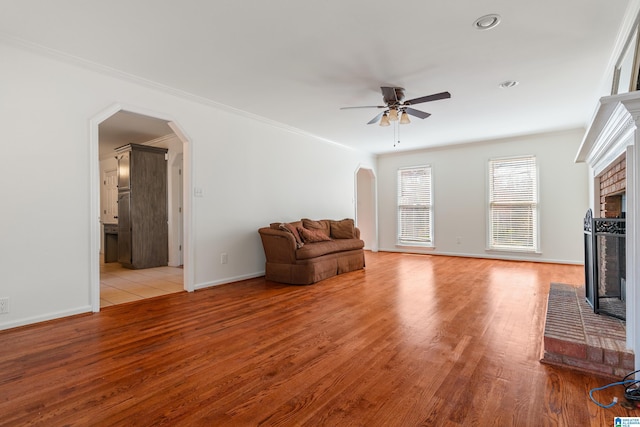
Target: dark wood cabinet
142, 206
110, 243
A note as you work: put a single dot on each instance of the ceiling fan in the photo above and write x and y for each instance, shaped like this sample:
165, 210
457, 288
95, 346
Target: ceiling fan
393, 98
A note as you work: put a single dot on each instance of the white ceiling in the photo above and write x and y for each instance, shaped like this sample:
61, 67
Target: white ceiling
126, 127
297, 62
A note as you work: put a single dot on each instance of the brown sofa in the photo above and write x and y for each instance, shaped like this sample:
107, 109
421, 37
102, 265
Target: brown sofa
307, 251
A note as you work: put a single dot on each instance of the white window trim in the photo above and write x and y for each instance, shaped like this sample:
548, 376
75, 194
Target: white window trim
537, 243
424, 245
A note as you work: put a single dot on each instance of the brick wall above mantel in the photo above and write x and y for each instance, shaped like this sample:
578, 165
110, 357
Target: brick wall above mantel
613, 182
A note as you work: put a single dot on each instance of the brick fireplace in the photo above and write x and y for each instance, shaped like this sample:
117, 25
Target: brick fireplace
605, 244
613, 185
585, 327
612, 152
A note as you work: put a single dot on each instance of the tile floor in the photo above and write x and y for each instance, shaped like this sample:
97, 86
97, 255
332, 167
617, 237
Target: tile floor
119, 285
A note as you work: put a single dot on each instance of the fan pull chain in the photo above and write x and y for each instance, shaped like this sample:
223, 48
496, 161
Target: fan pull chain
394, 135
396, 128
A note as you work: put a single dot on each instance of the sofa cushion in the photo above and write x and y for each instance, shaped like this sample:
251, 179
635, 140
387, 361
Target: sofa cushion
276, 225
293, 230
344, 229
323, 224
317, 249
312, 235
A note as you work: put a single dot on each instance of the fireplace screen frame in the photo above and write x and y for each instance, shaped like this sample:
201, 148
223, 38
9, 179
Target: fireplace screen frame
611, 232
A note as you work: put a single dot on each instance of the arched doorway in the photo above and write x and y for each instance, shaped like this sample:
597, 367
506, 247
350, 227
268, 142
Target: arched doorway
366, 207
179, 154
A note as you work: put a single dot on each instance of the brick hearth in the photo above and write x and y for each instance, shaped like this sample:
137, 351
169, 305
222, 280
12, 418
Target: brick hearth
576, 337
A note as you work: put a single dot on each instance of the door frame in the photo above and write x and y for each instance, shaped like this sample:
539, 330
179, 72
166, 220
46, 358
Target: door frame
94, 198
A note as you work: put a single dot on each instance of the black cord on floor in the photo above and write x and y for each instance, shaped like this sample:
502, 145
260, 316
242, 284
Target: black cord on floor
632, 392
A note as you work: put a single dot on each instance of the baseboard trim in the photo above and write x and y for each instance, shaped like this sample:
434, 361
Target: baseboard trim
228, 280
486, 256
45, 317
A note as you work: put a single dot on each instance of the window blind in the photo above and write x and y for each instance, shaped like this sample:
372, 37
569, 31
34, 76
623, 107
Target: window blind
513, 204
415, 219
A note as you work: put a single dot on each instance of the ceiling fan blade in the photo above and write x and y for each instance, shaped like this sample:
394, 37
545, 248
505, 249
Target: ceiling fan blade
375, 119
434, 97
365, 106
389, 95
417, 113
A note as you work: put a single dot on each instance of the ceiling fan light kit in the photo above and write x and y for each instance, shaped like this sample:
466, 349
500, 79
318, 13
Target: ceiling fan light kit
384, 121
393, 98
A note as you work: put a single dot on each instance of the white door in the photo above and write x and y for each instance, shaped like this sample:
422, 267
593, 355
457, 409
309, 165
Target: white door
110, 194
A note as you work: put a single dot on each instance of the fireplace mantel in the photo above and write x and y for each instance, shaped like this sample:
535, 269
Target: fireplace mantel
613, 132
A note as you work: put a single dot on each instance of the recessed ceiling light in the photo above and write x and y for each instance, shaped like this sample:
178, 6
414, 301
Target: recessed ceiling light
507, 84
487, 22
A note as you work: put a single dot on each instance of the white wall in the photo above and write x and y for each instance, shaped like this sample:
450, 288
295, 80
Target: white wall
251, 172
460, 195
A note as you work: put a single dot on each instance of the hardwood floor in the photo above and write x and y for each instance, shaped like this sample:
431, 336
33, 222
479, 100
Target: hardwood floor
411, 340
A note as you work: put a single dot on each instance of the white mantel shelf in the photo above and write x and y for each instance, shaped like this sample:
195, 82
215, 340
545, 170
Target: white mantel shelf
611, 130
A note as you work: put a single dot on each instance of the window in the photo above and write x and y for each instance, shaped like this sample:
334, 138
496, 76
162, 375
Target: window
415, 210
513, 204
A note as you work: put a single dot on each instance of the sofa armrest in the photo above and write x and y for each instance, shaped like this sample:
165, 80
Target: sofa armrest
357, 232
279, 245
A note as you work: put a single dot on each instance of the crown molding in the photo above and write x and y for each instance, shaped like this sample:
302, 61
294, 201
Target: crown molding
132, 78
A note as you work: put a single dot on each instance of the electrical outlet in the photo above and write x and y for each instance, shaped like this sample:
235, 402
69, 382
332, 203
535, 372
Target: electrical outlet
224, 258
4, 305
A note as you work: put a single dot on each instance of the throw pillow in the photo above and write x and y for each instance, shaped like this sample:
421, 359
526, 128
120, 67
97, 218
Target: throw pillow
317, 225
344, 229
310, 236
293, 230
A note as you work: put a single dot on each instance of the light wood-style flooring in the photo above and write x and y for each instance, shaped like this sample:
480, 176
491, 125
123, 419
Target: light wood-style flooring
413, 340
